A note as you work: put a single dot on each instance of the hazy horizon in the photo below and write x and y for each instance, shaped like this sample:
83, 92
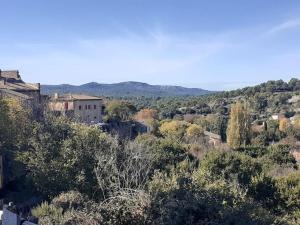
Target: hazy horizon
241, 84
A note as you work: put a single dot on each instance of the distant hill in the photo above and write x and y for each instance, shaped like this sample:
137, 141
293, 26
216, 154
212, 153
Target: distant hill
128, 89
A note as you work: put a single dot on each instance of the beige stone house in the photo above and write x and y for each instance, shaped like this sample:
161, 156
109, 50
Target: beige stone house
84, 108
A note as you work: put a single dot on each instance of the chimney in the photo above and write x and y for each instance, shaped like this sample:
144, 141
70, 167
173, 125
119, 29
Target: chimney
3, 82
37, 86
56, 96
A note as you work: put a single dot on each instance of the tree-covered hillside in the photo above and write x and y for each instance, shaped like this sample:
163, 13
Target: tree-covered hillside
129, 89
266, 98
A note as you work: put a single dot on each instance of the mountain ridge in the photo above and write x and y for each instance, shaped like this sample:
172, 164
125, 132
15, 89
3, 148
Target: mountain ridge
125, 89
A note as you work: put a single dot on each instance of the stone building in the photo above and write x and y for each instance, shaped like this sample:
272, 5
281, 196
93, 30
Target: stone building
213, 139
84, 108
12, 86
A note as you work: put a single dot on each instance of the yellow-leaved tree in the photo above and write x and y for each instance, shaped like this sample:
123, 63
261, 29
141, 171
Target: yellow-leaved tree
238, 130
194, 131
174, 129
297, 123
145, 114
283, 124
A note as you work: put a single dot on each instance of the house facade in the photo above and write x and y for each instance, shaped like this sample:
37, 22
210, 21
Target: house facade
84, 108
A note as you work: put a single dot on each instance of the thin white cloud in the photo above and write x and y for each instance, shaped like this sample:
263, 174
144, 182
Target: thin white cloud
155, 57
290, 24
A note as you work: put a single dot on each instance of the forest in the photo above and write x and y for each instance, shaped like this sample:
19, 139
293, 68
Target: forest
171, 175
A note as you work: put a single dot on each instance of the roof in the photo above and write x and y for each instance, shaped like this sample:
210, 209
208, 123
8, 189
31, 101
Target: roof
11, 80
212, 135
10, 74
74, 97
19, 86
7, 92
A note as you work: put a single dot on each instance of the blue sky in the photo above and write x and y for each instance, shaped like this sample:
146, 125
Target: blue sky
216, 45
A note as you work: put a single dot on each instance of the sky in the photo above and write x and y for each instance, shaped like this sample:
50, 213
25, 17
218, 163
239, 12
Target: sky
212, 44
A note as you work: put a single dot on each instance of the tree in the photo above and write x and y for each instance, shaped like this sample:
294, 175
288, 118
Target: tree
297, 123
264, 190
146, 114
230, 166
194, 130
174, 129
289, 189
283, 124
150, 118
61, 156
281, 155
4, 122
15, 124
238, 131
120, 110
178, 199
122, 168
15, 130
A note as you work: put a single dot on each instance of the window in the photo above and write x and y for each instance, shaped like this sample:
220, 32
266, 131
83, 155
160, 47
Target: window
79, 107
89, 106
95, 107
85, 106
66, 105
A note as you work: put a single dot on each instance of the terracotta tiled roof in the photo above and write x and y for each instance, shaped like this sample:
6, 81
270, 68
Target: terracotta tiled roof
75, 97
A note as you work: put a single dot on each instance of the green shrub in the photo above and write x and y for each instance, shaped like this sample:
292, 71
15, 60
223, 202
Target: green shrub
48, 211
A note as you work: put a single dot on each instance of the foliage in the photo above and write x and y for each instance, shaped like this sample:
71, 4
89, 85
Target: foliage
145, 114
283, 124
260, 140
194, 130
229, 166
264, 190
280, 154
88, 176
70, 200
238, 126
48, 212
174, 129
178, 200
289, 190
125, 167
13, 117
120, 111
15, 130
62, 156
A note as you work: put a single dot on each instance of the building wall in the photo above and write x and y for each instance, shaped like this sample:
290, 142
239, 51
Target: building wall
24, 101
88, 110
36, 103
61, 105
35, 94
85, 111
